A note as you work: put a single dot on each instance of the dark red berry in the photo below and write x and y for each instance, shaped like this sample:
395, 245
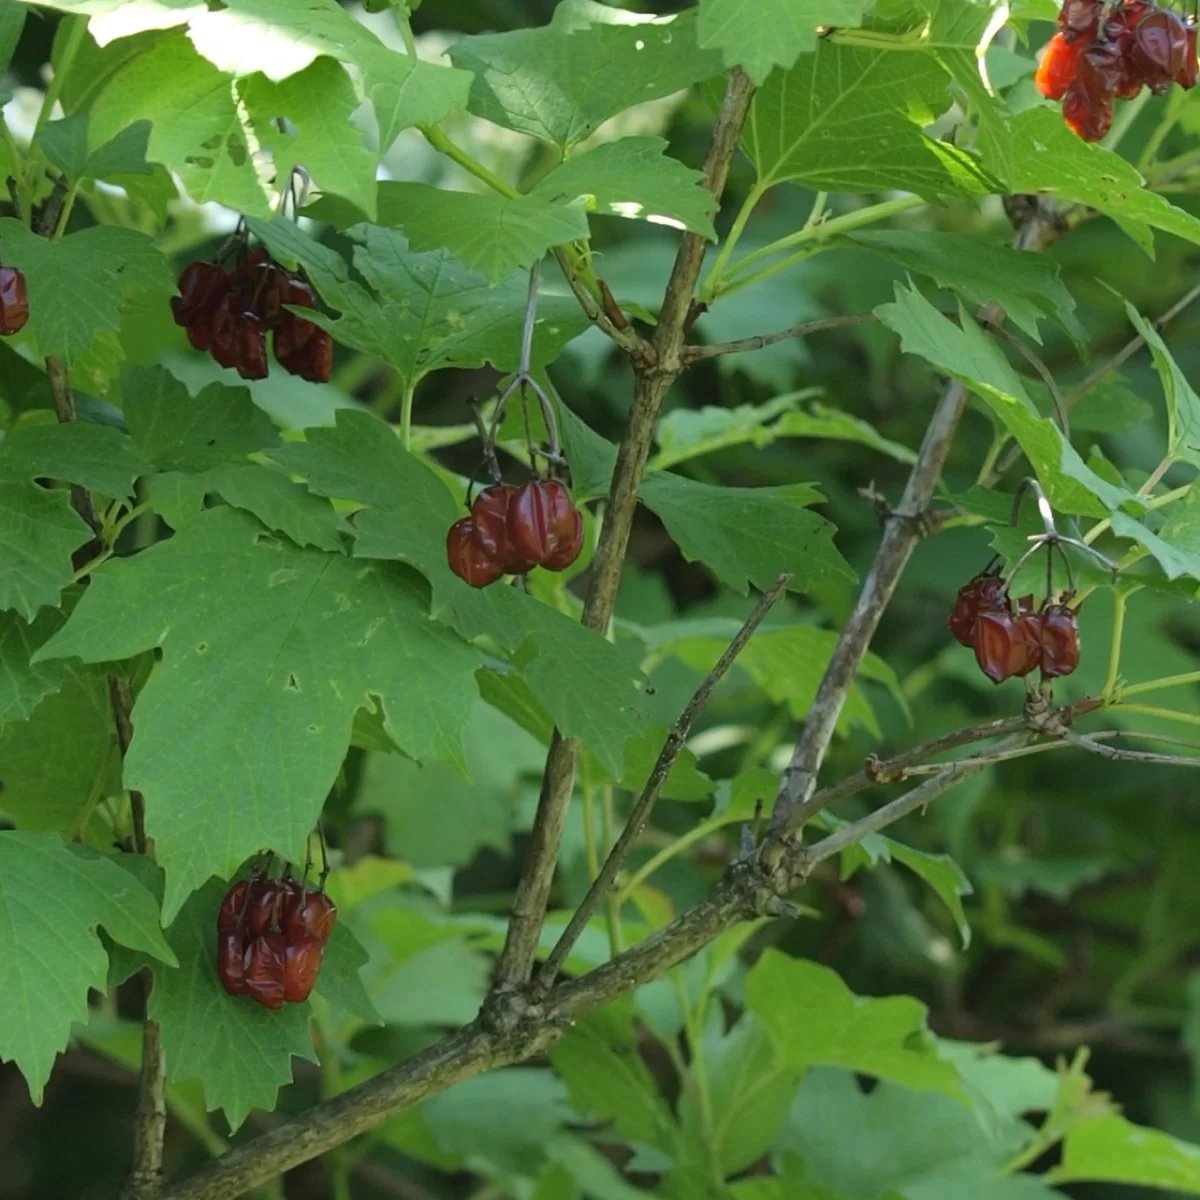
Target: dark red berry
262, 913
302, 965
1189, 73
489, 513
1159, 48
14, 301
543, 524
467, 558
251, 347
1006, 645
1059, 641
1079, 18
307, 914
265, 969
223, 331
201, 285
981, 594
1088, 119
231, 950
233, 907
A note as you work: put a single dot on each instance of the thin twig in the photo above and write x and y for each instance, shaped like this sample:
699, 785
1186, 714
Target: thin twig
1060, 407
920, 796
64, 409
794, 804
627, 338
695, 353
1143, 756
675, 742
651, 386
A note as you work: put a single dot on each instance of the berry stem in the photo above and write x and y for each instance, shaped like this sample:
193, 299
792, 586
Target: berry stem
406, 407
1114, 653
710, 288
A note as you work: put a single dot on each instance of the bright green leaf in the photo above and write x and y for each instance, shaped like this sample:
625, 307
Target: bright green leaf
815, 1020
1109, 1148
634, 178
65, 145
560, 82
301, 640
52, 899
759, 36
1183, 405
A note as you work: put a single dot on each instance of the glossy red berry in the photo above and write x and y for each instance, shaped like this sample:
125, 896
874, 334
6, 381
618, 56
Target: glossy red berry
223, 331
467, 558
543, 525
307, 914
1056, 72
265, 969
489, 512
1087, 118
1059, 641
231, 970
1159, 49
302, 965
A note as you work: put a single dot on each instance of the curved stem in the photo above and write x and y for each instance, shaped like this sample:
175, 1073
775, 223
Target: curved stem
406, 409
75, 32
1114, 654
440, 142
709, 288
1161, 684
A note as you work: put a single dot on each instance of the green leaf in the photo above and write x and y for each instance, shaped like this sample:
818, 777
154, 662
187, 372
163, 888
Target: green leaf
12, 21
472, 813
287, 507
1019, 872
45, 788
748, 535
634, 178
1027, 286
340, 985
685, 781
318, 102
942, 874
415, 93
848, 119
760, 36
53, 898
75, 283
39, 531
607, 1079
965, 352
815, 1020
1048, 159
493, 235
22, 683
180, 432
1174, 560
197, 130
97, 457
1183, 405
301, 641
560, 82
890, 1145
585, 682
1109, 1148
430, 312
65, 145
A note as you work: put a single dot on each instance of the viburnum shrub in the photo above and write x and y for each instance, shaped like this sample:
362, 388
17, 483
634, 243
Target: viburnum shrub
543, 456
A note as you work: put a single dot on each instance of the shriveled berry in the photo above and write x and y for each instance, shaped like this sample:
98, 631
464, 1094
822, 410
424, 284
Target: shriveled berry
265, 969
1079, 17
14, 301
1159, 48
981, 594
302, 965
1060, 641
467, 558
543, 524
1088, 119
1006, 645
251, 347
233, 907
231, 970
1056, 71
223, 331
201, 285
307, 914
1189, 73
262, 914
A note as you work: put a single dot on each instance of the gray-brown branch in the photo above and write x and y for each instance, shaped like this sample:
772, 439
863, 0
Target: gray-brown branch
652, 382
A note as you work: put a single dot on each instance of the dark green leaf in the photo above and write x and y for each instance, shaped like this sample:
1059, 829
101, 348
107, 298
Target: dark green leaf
97, 457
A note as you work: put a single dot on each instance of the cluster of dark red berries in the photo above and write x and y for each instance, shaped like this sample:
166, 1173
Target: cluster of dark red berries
511, 530
229, 314
1108, 51
14, 301
1012, 641
271, 936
